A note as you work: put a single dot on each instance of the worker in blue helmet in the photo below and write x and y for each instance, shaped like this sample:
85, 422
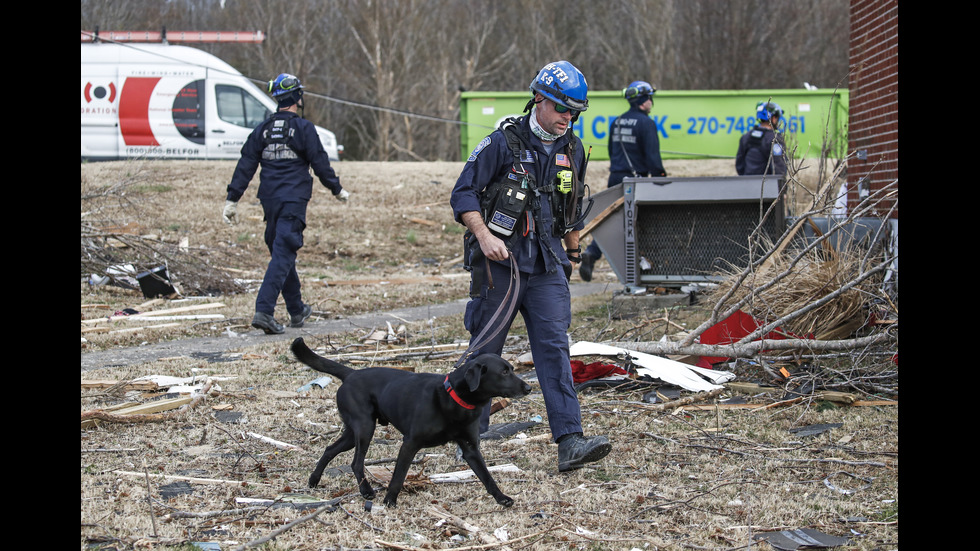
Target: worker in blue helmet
286, 146
762, 150
634, 150
517, 197
287, 90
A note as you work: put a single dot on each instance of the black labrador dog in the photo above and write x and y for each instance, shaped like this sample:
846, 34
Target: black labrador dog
427, 408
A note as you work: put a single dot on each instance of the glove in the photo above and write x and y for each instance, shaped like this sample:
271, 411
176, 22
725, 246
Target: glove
343, 195
230, 214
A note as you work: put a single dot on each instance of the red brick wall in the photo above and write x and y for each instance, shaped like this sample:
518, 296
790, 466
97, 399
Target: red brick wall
873, 90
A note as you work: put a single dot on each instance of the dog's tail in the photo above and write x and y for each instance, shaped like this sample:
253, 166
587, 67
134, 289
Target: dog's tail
317, 362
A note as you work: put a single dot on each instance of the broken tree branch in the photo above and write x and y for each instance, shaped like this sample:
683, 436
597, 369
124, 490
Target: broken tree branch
762, 276
750, 349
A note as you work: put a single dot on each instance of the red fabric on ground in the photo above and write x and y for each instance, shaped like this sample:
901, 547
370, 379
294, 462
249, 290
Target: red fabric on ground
595, 370
733, 329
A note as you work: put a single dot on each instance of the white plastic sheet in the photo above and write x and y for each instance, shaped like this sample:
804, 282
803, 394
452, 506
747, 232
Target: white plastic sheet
686, 376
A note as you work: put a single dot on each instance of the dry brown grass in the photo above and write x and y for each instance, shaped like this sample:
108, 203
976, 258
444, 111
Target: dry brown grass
697, 479
676, 479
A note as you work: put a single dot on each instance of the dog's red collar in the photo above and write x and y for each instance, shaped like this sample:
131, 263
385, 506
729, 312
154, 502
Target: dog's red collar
460, 401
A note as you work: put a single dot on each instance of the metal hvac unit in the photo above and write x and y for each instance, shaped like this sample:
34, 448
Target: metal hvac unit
667, 231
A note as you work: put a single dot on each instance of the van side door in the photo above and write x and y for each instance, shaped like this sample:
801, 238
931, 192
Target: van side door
237, 110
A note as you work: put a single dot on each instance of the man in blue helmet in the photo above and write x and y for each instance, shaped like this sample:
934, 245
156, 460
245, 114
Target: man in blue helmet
761, 150
286, 146
519, 197
634, 150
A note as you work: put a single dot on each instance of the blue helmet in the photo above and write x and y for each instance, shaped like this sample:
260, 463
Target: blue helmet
286, 89
563, 84
767, 110
639, 91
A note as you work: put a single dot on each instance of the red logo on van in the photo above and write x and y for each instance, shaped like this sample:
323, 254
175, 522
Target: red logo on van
134, 122
100, 92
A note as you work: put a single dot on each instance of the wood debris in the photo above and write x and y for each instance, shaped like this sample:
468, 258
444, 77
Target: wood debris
150, 412
145, 413
195, 479
156, 314
275, 443
388, 281
102, 384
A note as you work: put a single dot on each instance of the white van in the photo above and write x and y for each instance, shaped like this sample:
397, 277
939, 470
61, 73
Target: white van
169, 101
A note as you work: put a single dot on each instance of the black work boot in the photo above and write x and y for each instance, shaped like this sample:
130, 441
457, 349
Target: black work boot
575, 450
585, 268
267, 323
300, 318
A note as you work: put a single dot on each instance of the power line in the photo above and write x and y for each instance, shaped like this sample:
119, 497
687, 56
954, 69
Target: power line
260, 83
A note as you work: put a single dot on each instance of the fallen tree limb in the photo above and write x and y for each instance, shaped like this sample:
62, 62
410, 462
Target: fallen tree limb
760, 285
750, 349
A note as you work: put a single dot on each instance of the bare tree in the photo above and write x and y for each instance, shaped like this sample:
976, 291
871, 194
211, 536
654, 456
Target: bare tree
388, 73
753, 44
126, 14
631, 41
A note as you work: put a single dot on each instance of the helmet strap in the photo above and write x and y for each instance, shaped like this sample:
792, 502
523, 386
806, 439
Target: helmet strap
531, 103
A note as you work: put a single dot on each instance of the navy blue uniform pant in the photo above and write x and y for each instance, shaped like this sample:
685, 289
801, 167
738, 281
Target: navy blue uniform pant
544, 302
284, 225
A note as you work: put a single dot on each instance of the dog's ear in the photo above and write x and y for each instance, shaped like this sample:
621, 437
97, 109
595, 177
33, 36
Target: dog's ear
474, 371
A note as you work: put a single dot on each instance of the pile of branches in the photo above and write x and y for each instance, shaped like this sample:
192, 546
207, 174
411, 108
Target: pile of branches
835, 300
109, 242
807, 289
822, 285
104, 248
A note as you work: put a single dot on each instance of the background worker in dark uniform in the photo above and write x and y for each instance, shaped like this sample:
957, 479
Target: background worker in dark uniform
761, 150
634, 150
286, 146
543, 158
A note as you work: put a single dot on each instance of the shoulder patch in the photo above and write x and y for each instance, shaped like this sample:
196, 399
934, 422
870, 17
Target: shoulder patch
479, 147
777, 149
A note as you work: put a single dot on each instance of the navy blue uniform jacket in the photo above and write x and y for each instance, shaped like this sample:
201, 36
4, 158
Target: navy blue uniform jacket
493, 160
753, 153
636, 133
284, 179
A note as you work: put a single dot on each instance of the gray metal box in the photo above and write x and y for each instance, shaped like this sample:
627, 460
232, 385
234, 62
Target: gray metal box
683, 230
